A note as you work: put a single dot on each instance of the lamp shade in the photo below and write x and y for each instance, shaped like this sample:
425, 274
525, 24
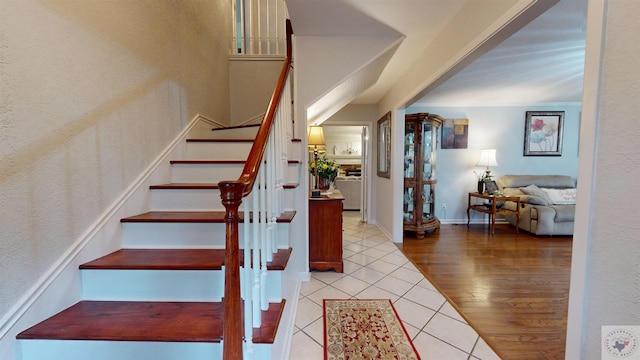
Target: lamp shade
487, 158
316, 135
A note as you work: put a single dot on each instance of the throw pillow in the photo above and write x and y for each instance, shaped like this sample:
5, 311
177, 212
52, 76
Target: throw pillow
561, 196
536, 191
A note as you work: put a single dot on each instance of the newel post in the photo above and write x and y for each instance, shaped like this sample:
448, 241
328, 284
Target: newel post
231, 194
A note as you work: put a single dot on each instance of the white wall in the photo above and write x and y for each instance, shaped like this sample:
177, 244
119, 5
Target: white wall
91, 93
252, 78
500, 128
605, 279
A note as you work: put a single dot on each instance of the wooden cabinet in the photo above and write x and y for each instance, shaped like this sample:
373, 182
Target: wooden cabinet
420, 142
325, 232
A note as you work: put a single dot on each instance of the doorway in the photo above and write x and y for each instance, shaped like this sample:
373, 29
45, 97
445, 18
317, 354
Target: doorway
348, 146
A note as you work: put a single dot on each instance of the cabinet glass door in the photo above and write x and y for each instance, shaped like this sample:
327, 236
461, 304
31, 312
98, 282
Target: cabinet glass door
427, 202
408, 205
427, 152
410, 150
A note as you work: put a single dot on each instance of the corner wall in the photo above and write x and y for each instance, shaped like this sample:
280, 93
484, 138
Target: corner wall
605, 276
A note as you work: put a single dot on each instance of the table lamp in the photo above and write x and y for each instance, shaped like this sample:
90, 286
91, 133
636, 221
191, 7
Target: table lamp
487, 158
315, 139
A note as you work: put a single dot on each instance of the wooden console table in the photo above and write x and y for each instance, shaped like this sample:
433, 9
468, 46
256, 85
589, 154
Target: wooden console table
325, 232
492, 209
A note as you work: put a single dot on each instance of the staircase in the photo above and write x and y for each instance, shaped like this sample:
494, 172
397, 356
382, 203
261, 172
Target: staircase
162, 296
189, 281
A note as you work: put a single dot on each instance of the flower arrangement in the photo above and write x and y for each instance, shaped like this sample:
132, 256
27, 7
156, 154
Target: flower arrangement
326, 168
482, 176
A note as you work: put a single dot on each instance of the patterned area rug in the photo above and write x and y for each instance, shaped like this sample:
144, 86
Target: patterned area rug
365, 329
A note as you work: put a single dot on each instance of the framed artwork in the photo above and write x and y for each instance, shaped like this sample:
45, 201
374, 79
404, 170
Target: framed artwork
455, 134
384, 146
491, 186
543, 133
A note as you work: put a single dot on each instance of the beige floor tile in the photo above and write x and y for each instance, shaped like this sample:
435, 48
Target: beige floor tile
374, 268
452, 332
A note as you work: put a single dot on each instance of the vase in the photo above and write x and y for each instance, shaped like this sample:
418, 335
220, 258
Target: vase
324, 183
480, 186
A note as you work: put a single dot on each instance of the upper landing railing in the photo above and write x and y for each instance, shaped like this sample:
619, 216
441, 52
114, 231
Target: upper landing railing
259, 27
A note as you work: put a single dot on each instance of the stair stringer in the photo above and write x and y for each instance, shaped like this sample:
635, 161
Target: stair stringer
60, 286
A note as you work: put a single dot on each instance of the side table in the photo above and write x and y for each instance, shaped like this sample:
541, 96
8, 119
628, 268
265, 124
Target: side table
492, 209
325, 232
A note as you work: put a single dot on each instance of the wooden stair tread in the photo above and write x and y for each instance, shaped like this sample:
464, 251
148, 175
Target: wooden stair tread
206, 186
235, 127
175, 259
193, 217
221, 140
204, 161
146, 321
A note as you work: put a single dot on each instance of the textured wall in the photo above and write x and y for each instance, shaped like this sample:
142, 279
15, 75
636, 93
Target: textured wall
91, 92
252, 78
613, 278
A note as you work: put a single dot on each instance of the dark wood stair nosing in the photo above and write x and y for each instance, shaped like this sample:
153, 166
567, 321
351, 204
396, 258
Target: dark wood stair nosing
247, 140
194, 217
205, 161
185, 186
176, 259
202, 186
235, 127
150, 321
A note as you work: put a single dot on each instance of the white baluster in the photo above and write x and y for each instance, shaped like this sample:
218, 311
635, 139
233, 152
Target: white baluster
255, 298
247, 284
269, 194
263, 238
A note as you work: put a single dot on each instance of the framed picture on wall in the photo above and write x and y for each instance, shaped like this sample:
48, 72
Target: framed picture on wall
543, 133
384, 146
455, 134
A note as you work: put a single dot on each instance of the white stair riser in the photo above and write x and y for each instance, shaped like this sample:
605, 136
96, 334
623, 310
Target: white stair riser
164, 285
110, 350
205, 173
295, 151
213, 173
218, 151
186, 200
173, 235
186, 235
196, 200
294, 173
238, 133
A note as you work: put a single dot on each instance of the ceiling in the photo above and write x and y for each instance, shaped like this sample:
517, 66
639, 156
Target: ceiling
541, 63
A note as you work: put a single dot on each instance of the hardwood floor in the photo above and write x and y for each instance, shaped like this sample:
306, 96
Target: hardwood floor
512, 288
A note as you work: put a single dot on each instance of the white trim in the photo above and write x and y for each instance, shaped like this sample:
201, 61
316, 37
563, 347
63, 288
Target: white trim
206, 120
494, 104
576, 329
25, 303
290, 324
249, 57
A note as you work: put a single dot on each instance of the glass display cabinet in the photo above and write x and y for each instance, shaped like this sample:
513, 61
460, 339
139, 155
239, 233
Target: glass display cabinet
420, 142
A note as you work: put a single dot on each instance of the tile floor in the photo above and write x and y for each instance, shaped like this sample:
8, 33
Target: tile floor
374, 268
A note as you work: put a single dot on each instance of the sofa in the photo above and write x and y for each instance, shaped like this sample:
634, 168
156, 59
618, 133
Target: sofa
350, 187
547, 202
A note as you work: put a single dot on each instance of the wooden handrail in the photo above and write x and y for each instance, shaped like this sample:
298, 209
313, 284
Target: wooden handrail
232, 193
